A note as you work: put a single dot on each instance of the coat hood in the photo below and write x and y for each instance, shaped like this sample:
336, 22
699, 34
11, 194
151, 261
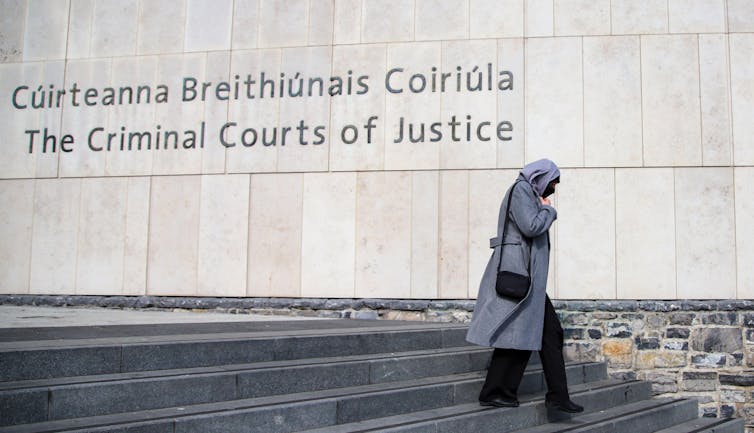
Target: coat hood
540, 173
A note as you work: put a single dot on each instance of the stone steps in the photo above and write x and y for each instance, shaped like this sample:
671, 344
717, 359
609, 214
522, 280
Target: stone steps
707, 425
346, 376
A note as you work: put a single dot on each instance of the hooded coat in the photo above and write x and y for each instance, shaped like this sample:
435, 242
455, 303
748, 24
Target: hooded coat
502, 322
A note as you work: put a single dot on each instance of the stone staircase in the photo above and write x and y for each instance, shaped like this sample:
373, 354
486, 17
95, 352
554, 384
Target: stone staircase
313, 376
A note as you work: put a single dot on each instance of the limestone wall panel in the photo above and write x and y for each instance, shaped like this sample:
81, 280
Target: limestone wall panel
696, 16
383, 235
347, 21
314, 111
12, 25
442, 19
154, 36
245, 24
275, 230
102, 230
496, 19
744, 181
80, 21
223, 235
15, 231
259, 114
180, 116
670, 100
538, 15
425, 205
582, 17
45, 30
321, 14
630, 17
586, 234
215, 114
283, 23
350, 113
136, 237
55, 236
454, 234
17, 161
715, 100
740, 16
132, 71
742, 95
510, 103
705, 233
468, 149
329, 235
208, 25
645, 233
554, 101
612, 102
114, 26
416, 110
387, 21
82, 119
173, 236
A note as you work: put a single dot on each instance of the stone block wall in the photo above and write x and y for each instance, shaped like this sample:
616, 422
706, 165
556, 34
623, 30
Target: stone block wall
700, 349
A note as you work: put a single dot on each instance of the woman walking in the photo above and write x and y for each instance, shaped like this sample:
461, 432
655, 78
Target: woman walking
516, 327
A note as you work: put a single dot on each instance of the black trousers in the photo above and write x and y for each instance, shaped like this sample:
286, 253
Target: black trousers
507, 365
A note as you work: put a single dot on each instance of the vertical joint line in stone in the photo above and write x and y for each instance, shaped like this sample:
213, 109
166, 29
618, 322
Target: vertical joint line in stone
198, 237
125, 240
247, 286
411, 174
361, 21
729, 89
583, 103
308, 22
641, 97
438, 270
413, 35
615, 234
355, 231
149, 237
31, 238
667, 6
65, 73
699, 89
78, 239
611, 17
468, 229
259, 24
553, 16
675, 232
735, 233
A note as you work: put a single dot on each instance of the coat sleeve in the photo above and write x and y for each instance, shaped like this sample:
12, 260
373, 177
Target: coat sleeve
531, 217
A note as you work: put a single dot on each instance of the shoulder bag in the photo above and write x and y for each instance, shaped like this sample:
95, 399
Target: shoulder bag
511, 285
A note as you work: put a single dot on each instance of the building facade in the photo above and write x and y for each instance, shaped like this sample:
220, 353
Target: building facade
359, 149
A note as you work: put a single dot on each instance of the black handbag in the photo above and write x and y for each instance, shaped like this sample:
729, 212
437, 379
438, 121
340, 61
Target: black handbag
511, 285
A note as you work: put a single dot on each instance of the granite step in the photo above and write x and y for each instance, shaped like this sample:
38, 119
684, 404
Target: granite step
59, 398
443, 397
43, 359
473, 418
707, 425
640, 417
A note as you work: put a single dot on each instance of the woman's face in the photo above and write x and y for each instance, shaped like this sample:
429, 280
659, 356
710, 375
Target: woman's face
550, 189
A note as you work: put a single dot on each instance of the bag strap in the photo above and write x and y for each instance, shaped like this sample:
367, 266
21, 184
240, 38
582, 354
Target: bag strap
504, 228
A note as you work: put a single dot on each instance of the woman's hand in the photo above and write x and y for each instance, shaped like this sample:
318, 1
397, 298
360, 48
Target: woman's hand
545, 201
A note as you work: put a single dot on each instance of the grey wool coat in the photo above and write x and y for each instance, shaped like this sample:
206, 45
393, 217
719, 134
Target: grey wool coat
504, 323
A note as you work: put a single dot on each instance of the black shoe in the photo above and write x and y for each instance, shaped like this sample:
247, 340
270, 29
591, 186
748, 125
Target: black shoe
568, 406
499, 402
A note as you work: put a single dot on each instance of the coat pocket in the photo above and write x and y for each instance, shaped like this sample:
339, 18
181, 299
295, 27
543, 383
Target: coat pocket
514, 258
